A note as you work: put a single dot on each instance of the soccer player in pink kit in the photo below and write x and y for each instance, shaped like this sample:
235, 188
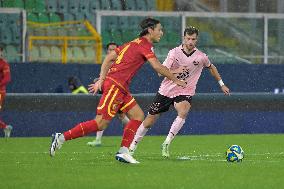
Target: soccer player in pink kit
187, 63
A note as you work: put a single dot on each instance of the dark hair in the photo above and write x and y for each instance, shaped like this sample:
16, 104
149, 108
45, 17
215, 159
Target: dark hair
190, 30
74, 81
146, 24
111, 43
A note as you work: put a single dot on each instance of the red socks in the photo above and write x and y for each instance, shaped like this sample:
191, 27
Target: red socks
81, 129
129, 132
88, 127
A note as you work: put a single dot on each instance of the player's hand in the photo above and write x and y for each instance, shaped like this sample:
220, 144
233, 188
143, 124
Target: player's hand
96, 86
181, 83
225, 90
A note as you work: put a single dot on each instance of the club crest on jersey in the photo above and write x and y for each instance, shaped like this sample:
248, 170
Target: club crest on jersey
115, 106
195, 63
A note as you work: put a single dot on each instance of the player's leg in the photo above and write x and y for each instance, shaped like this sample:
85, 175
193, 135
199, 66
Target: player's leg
80, 130
142, 130
182, 106
123, 117
160, 104
136, 116
98, 140
105, 113
6, 128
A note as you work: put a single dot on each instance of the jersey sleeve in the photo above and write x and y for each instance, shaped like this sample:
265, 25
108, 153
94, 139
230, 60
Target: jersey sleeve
169, 60
206, 61
148, 52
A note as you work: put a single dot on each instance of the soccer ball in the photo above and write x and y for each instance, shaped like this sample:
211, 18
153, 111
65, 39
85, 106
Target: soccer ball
235, 153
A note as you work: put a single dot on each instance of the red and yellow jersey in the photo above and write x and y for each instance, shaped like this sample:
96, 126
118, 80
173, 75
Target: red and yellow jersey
131, 56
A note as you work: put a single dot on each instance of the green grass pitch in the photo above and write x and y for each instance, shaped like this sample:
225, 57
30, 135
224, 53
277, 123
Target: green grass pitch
195, 162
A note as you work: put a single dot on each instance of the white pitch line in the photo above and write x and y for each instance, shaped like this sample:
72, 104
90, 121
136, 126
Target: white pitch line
191, 155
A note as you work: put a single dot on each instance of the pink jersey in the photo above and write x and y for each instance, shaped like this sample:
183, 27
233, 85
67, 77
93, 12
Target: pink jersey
184, 66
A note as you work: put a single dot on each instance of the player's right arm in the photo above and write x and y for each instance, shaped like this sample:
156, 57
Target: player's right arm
168, 61
163, 70
109, 59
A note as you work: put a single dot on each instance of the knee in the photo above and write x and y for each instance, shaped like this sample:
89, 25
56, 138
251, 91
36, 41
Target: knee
102, 127
183, 110
139, 116
149, 121
102, 123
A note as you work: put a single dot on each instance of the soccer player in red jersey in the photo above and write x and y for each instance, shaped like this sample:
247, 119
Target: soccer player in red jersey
122, 116
5, 78
114, 81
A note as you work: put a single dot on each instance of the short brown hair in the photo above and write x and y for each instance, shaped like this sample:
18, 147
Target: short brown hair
190, 30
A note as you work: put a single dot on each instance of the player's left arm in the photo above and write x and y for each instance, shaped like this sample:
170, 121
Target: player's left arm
214, 72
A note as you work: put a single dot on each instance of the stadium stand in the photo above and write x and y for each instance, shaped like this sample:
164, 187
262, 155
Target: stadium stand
78, 55
124, 28
32, 17
73, 6
12, 53
63, 6
56, 53
89, 54
54, 17
68, 16
130, 5
142, 6
83, 6
44, 53
51, 6
105, 5
94, 5
43, 17
34, 54
116, 5
13, 4
51, 11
